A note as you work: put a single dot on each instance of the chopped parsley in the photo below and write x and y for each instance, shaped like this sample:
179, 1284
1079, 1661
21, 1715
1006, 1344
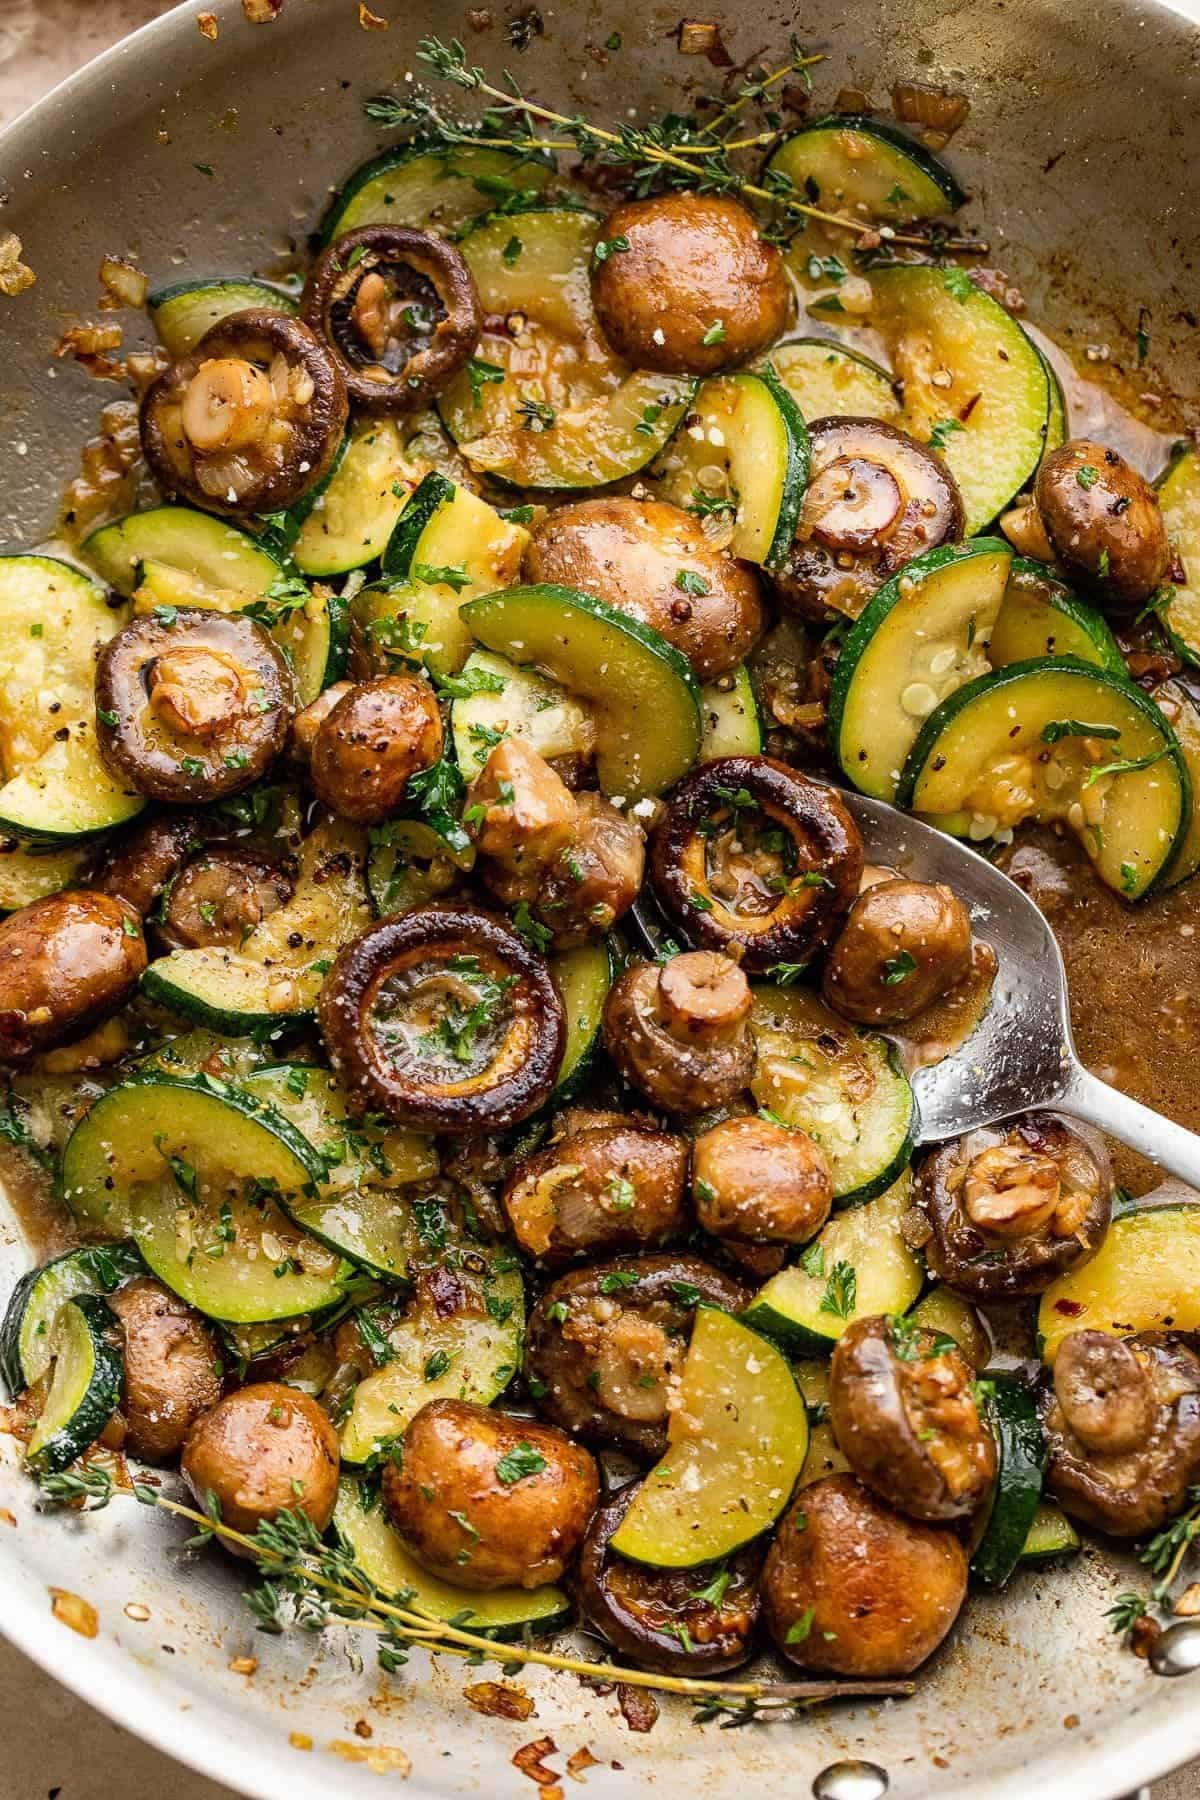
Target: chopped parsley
607, 247
519, 1464
899, 968
689, 582
943, 431
841, 1291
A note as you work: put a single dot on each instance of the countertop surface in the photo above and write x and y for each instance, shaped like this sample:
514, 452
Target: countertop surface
55, 1746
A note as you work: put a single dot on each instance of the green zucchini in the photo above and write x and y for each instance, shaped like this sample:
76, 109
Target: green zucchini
273, 980
505, 700
921, 637
583, 977
936, 322
200, 1174
1040, 616
852, 164
736, 1446
362, 1526
184, 311
444, 530
1056, 416
212, 551
858, 1265
356, 1209
29, 872
828, 380
27, 1334
743, 439
413, 861
1144, 1277
1009, 748
1183, 715
947, 1313
1050, 1534
348, 521
549, 406
1178, 606
641, 691
53, 620
1009, 1409
465, 1345
434, 188
730, 720
840, 1083
85, 1384
824, 1457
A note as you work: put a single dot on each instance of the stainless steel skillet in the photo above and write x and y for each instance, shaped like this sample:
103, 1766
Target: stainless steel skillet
1032, 1688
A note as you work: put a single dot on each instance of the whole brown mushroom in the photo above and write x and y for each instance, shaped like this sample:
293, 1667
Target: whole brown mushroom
690, 285
486, 1501
1103, 521
219, 896
66, 963
1122, 1426
757, 1181
172, 1368
904, 945
371, 742
679, 1031
852, 1588
653, 561
593, 1192
263, 1450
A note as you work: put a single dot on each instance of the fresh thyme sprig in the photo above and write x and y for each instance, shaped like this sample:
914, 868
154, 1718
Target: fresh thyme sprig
308, 1585
676, 150
1163, 1555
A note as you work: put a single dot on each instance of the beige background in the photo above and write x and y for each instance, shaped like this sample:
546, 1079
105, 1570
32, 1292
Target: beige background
53, 1743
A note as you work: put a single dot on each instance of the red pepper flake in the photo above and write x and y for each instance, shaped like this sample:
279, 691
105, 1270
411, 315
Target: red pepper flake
639, 1708
1070, 1309
498, 1700
530, 1760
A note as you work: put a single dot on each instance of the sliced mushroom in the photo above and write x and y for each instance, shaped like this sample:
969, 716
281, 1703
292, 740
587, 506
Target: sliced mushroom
1013, 1207
1122, 1428
904, 945
219, 896
760, 1183
756, 860
1104, 522
193, 709
371, 742
593, 1192
399, 311
875, 499
679, 1621
444, 1019
679, 1031
250, 420
66, 963
605, 1344
902, 1406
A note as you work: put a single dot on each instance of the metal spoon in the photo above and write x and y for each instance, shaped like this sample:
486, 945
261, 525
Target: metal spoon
1021, 1055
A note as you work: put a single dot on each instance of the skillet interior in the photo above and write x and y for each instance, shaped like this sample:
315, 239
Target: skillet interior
1091, 233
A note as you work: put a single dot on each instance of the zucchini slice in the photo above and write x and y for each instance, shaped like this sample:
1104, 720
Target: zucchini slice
641, 692
184, 311
349, 520
944, 1311
840, 1083
736, 1446
509, 701
1144, 1277
858, 1265
199, 1174
743, 439
215, 553
444, 530
27, 1334
921, 637
356, 1209
362, 1526
1056, 416
1183, 716
549, 405
849, 163
1009, 1409
412, 861
1179, 497
273, 980
583, 977
434, 189
29, 872
828, 380
936, 322
1039, 616
85, 1386
824, 1457
53, 620
730, 720
464, 1345
1050, 1534
1015, 746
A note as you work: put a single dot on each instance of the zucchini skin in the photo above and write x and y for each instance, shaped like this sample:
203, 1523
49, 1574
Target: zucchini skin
896, 139
102, 1396
799, 456
434, 490
1021, 1448
125, 1262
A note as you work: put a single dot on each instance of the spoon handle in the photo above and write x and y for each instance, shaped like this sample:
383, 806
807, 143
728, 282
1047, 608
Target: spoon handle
1164, 1142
